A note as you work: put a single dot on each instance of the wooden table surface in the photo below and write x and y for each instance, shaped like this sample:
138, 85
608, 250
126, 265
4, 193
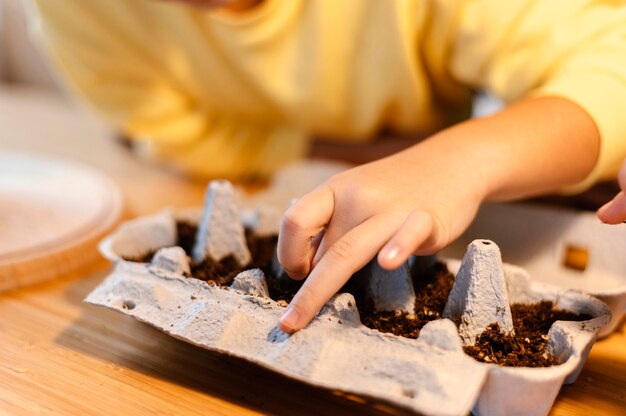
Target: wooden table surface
61, 356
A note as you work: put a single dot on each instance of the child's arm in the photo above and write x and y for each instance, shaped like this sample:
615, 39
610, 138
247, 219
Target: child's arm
420, 200
614, 212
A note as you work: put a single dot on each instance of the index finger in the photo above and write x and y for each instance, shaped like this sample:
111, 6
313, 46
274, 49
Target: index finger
346, 256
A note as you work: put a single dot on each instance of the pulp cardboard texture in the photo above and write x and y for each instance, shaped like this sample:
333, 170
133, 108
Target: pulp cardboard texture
142, 235
390, 290
221, 232
408, 373
252, 282
170, 260
430, 375
537, 238
479, 296
532, 391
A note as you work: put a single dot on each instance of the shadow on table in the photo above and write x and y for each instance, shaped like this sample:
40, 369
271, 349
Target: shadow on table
125, 342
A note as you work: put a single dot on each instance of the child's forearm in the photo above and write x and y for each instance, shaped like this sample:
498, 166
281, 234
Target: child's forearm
536, 146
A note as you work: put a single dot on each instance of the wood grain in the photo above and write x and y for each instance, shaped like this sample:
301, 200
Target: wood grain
61, 356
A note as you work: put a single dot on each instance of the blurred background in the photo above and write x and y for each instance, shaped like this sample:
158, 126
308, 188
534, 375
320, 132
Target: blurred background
39, 118
23, 64
20, 60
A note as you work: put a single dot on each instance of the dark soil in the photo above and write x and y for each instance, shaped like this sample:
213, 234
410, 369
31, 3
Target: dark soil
221, 272
224, 271
282, 287
262, 250
527, 348
431, 292
186, 235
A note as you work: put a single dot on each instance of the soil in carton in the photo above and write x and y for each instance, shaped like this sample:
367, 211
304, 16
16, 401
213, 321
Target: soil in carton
527, 348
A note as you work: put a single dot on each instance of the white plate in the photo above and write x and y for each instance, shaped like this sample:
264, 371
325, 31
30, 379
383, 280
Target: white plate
52, 212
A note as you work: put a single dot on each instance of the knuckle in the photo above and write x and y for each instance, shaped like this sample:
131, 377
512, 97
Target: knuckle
354, 189
362, 195
292, 221
439, 236
416, 224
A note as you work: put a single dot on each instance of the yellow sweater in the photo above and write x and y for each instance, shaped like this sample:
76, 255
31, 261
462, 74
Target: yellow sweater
222, 94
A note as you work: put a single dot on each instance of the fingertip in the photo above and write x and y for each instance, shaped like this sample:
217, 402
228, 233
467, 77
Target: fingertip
342, 259
291, 320
414, 232
391, 256
285, 329
389, 252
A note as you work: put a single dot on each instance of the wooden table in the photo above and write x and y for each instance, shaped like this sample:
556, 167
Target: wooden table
61, 356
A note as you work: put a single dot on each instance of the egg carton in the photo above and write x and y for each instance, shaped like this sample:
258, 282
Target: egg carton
427, 375
543, 240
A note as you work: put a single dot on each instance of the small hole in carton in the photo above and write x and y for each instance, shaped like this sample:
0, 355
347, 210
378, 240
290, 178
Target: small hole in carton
408, 393
128, 304
575, 257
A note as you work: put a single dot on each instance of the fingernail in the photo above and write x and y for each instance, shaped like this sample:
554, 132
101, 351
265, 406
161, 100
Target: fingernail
391, 252
289, 319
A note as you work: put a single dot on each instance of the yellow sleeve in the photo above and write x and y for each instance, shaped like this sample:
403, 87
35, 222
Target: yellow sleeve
575, 49
106, 55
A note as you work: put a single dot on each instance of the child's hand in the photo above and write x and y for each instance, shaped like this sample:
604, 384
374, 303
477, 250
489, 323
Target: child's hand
614, 212
417, 201
423, 198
